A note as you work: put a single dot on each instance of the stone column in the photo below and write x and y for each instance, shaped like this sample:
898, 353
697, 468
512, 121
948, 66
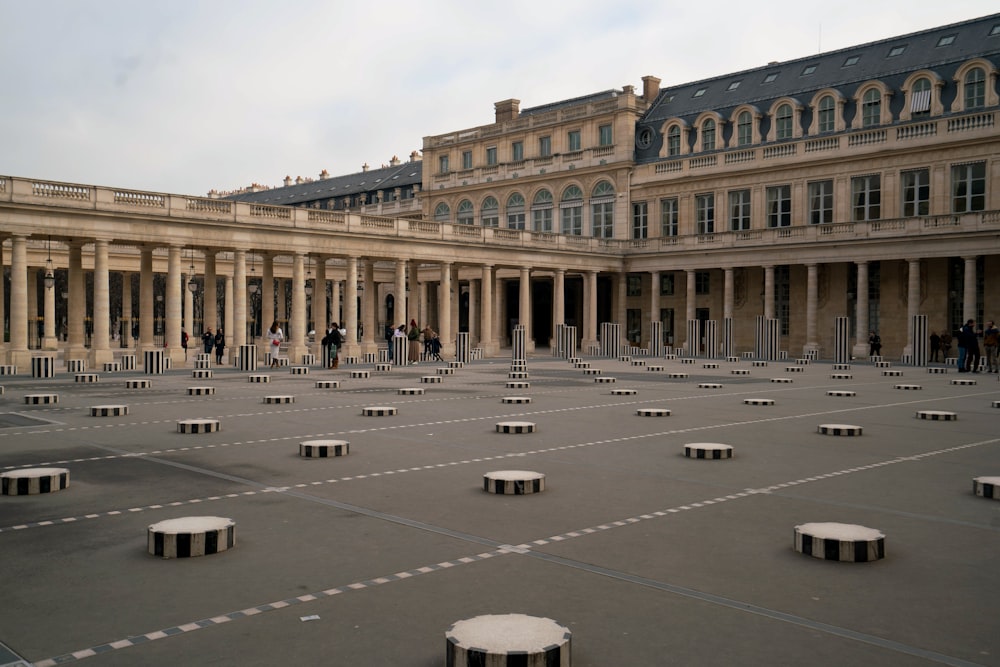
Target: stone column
860, 350
147, 313
812, 302
621, 283
351, 308
173, 310
400, 294
3, 312
267, 293
474, 315
486, 341
690, 296
239, 300
422, 306
228, 324
297, 339
50, 342
18, 353
334, 314
413, 311
558, 302
321, 319
100, 346
32, 285
193, 339
76, 307
654, 302
444, 310
125, 329
524, 308
590, 310
456, 302
769, 292
728, 295
912, 301
210, 300
369, 297
969, 291
281, 309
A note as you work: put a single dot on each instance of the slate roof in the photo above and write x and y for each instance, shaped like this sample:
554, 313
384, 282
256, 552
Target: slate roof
402, 175
921, 50
562, 104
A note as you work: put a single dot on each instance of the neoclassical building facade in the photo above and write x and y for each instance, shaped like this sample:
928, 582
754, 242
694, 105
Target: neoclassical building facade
858, 183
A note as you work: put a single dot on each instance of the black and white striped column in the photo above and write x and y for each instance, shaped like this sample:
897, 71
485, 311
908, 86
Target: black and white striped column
463, 346
399, 348
508, 640
518, 340
152, 362
128, 362
918, 332
656, 339
693, 338
565, 347
246, 357
727, 337
43, 367
611, 339
841, 340
711, 339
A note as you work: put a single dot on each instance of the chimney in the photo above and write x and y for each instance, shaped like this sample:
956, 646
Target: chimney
288, 181
507, 110
650, 88
394, 162
364, 167
323, 175
414, 155
298, 180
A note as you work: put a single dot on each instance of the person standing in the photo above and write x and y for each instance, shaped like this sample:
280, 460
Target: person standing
874, 344
968, 348
220, 345
429, 335
413, 346
208, 340
991, 338
332, 342
935, 346
274, 336
184, 343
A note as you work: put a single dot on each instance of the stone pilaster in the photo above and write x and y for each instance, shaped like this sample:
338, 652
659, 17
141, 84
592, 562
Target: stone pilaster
297, 339
100, 346
812, 301
147, 313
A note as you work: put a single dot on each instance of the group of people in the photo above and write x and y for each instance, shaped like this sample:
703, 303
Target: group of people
969, 352
432, 344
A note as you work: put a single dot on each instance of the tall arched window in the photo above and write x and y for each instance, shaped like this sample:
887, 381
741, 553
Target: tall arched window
674, 140
489, 213
541, 211
571, 211
466, 215
602, 210
442, 213
744, 129
826, 114
515, 211
871, 108
974, 88
708, 135
783, 122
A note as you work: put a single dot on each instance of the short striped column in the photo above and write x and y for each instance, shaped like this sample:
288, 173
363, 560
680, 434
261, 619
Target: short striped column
410, 391
32, 481
197, 426
308, 359
758, 401
463, 345
298, 370
284, 398
378, 411
108, 410
152, 362
258, 378
937, 415
431, 379
399, 350
201, 391
507, 640
79, 365
360, 374
383, 367
986, 487
652, 412
839, 541
322, 449
202, 374
246, 357
138, 384
127, 362
624, 392
87, 378
513, 482
41, 399
327, 384
190, 536
515, 427
848, 430
841, 393
708, 450
112, 366
43, 367
202, 360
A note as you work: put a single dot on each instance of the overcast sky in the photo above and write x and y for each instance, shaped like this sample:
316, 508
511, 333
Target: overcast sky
184, 96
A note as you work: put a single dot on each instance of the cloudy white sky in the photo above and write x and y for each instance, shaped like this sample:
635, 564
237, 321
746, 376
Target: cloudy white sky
189, 95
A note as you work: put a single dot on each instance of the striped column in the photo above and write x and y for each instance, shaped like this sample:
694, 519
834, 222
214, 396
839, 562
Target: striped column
841, 340
767, 340
611, 339
518, 340
399, 349
693, 337
246, 357
153, 363
655, 337
43, 367
711, 339
918, 333
463, 346
727, 337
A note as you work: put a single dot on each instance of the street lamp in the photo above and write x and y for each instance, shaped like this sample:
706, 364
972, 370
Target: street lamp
50, 276
192, 283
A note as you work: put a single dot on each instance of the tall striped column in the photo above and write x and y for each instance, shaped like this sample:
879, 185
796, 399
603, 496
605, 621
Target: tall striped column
399, 349
727, 337
918, 331
773, 337
566, 341
656, 338
518, 339
711, 339
463, 346
246, 357
153, 362
693, 338
842, 340
611, 339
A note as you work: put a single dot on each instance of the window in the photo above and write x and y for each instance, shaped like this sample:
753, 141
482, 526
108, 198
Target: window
820, 202
602, 210
571, 210
734, 85
851, 61
667, 284
739, 210
544, 146
490, 212
896, 51
443, 164
442, 213
947, 40
974, 88
541, 212
783, 122
968, 187
465, 213
744, 129
779, 206
916, 188
517, 151
491, 156
699, 92
640, 220
708, 135
605, 136
668, 217
866, 197
809, 69
995, 31
770, 77
871, 108
702, 282
573, 140
633, 285
466, 159
704, 206
827, 114
674, 140
920, 96
515, 211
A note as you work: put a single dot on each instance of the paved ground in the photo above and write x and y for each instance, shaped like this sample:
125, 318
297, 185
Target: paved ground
649, 557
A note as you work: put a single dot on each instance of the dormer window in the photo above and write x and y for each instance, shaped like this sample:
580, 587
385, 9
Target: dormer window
699, 92
770, 77
896, 51
809, 69
734, 85
851, 61
947, 40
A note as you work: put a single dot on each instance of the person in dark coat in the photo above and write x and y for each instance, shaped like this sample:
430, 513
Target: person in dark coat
969, 341
220, 345
208, 340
